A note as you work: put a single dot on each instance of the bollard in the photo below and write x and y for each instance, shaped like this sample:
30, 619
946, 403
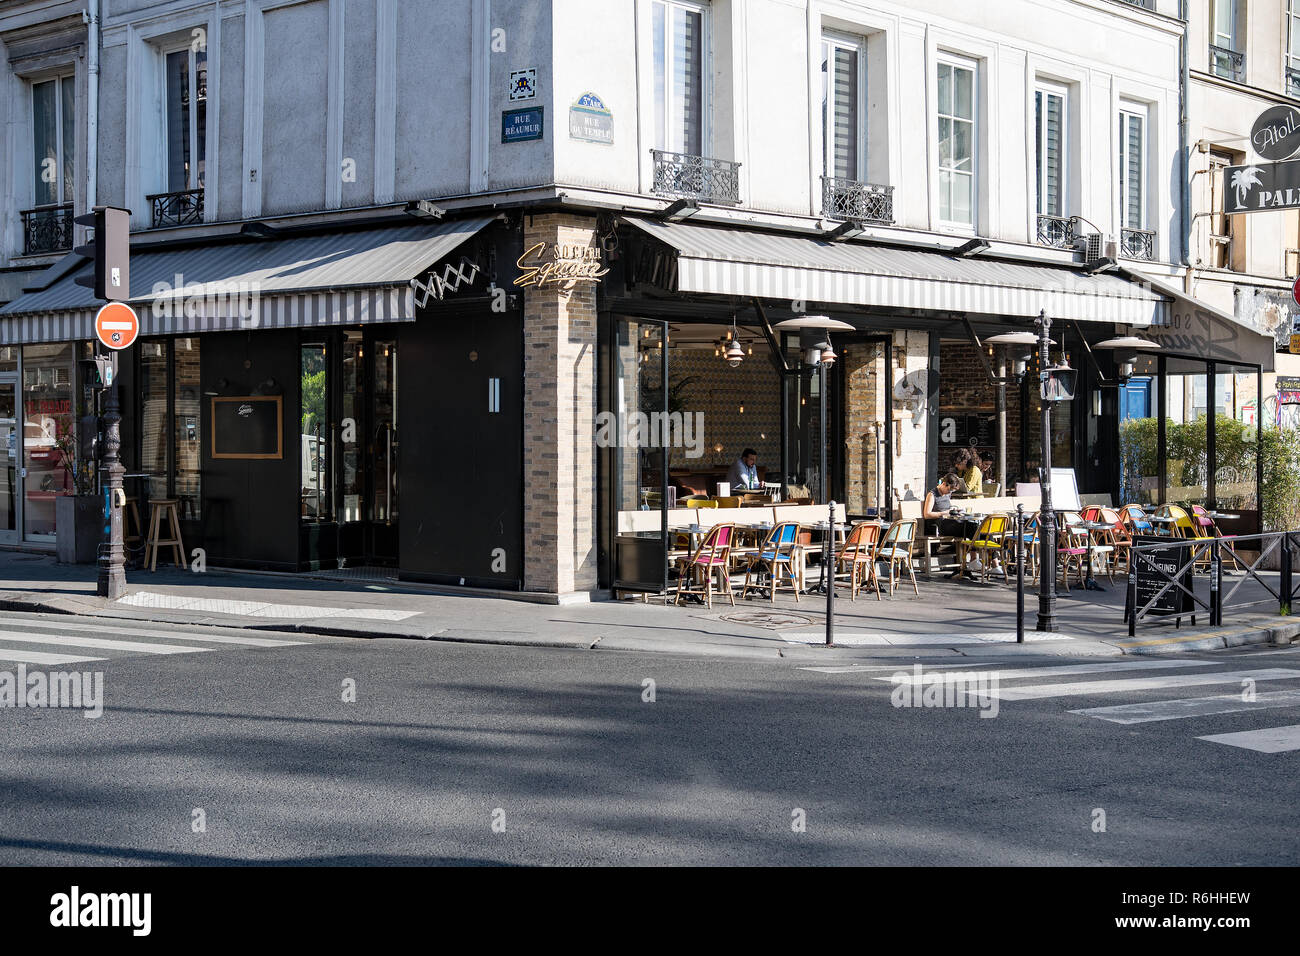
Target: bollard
1284, 580
1020, 574
829, 559
1216, 582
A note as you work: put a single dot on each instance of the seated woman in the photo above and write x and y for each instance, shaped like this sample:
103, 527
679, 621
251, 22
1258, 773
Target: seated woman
935, 508
971, 475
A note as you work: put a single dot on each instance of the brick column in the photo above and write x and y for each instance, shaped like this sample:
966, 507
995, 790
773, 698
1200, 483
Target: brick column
559, 420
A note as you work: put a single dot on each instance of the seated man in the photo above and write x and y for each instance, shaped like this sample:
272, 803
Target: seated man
743, 475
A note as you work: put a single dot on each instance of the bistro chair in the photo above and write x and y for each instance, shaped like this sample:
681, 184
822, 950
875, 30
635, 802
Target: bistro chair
1202, 517
1029, 537
987, 542
730, 501
1118, 537
775, 558
713, 556
1136, 519
699, 503
896, 548
1071, 548
856, 559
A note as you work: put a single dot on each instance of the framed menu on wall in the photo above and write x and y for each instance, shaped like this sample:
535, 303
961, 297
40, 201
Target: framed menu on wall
247, 426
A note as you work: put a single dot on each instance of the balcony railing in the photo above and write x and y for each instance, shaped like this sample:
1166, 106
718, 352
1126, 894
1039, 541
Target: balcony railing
684, 176
1137, 243
1226, 63
1056, 231
182, 208
1292, 81
47, 229
862, 202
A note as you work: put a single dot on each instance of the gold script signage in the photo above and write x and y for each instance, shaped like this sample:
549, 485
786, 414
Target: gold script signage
566, 264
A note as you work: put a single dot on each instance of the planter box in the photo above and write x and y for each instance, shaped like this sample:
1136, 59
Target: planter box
78, 527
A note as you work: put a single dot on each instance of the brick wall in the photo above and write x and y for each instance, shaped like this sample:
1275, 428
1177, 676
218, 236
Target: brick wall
863, 367
559, 420
964, 389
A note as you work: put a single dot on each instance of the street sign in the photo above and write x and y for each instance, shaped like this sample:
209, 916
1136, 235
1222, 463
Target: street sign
116, 325
1294, 347
1263, 187
1276, 133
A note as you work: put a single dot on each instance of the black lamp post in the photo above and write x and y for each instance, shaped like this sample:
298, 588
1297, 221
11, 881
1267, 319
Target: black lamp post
815, 332
1056, 384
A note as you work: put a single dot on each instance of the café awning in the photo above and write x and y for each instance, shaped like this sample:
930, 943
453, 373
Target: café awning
737, 262
340, 278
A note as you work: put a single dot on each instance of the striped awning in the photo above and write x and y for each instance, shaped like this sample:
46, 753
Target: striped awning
342, 278
738, 262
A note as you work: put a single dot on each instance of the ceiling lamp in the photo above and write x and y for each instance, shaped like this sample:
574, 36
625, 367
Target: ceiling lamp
734, 354
1127, 342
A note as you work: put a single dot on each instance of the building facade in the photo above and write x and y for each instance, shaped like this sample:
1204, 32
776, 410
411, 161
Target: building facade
413, 276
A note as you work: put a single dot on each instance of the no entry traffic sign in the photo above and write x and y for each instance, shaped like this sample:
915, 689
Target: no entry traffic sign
116, 325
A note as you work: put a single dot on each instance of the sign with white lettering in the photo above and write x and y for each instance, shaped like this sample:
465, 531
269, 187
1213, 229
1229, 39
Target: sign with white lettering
568, 265
1263, 187
518, 126
1276, 134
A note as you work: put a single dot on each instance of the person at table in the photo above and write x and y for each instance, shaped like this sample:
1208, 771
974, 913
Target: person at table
971, 475
744, 473
935, 508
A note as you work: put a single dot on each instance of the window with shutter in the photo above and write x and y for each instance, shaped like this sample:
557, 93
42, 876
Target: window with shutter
1049, 111
1132, 156
54, 141
678, 49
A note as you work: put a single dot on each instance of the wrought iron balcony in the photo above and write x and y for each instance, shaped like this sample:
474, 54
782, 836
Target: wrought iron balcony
1226, 63
1137, 243
684, 176
1056, 231
862, 202
1292, 81
182, 208
47, 229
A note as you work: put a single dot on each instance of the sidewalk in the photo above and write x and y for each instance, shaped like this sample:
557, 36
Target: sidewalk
949, 618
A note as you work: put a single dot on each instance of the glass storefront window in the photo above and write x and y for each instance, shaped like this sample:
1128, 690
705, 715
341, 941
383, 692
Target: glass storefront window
49, 433
1139, 434
154, 447
187, 438
1236, 442
314, 467
1187, 408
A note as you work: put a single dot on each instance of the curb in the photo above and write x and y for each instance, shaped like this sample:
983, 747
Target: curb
1221, 640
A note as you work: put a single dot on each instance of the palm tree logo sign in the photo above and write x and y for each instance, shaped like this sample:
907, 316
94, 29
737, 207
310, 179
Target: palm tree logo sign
1242, 180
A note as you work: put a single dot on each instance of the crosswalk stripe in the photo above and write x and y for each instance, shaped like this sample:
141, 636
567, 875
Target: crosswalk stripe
1270, 740
863, 668
1189, 707
58, 626
40, 657
1063, 670
1085, 688
109, 644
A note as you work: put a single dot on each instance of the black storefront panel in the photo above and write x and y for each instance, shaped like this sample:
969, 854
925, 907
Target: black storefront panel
250, 513
461, 393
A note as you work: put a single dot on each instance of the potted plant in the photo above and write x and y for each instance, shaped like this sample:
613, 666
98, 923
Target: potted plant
78, 510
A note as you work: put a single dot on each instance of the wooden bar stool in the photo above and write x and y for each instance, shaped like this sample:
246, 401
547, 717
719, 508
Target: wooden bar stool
132, 529
157, 507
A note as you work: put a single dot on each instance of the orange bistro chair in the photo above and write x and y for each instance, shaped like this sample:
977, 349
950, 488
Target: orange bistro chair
858, 553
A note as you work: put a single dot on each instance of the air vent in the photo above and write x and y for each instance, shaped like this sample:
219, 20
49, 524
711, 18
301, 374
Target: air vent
1089, 243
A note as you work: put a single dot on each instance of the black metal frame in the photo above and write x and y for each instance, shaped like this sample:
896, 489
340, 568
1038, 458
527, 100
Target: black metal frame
181, 208
688, 176
857, 201
47, 229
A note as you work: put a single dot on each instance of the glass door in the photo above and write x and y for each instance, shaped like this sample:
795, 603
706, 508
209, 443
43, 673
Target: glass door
10, 472
364, 447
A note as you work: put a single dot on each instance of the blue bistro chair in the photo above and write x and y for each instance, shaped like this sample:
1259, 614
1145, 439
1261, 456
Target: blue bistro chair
775, 558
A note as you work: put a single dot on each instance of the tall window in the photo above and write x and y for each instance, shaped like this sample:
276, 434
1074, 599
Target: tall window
956, 94
678, 45
54, 141
842, 99
1223, 38
1049, 113
187, 119
1132, 167
1293, 47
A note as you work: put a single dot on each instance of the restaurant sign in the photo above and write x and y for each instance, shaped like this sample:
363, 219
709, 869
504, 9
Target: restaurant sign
1263, 187
590, 120
568, 264
1276, 133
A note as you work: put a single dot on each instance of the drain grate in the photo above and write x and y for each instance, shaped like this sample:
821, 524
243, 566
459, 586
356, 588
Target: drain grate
771, 620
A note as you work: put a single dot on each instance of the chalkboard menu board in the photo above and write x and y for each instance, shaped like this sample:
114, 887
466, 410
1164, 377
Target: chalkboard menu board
1175, 562
247, 426
968, 431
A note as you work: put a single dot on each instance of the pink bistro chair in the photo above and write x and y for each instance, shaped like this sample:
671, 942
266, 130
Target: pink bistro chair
713, 556
1208, 527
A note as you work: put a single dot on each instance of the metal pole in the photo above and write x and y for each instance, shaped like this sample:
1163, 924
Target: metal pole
1216, 583
1020, 573
1285, 578
111, 582
1047, 517
829, 557
1131, 603
821, 387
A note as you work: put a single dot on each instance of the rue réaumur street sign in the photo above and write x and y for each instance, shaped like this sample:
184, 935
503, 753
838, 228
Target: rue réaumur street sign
1262, 187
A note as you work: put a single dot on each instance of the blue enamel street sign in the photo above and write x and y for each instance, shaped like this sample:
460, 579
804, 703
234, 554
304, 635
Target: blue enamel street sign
519, 126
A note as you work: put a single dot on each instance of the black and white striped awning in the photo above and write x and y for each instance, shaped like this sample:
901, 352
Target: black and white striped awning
346, 278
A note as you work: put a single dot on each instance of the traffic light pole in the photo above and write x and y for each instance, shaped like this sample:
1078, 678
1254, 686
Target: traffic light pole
112, 561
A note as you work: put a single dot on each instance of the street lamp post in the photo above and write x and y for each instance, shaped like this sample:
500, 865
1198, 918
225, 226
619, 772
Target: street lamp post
1046, 516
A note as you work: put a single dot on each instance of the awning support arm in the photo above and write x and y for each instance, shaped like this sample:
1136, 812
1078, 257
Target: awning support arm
1101, 377
984, 359
778, 356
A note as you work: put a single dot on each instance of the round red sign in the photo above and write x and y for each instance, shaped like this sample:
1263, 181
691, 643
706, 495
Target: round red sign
1295, 290
116, 325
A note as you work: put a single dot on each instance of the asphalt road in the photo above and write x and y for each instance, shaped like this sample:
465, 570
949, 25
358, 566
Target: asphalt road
466, 754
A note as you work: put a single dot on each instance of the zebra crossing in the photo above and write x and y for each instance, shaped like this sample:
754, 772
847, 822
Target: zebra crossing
1144, 679
55, 642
